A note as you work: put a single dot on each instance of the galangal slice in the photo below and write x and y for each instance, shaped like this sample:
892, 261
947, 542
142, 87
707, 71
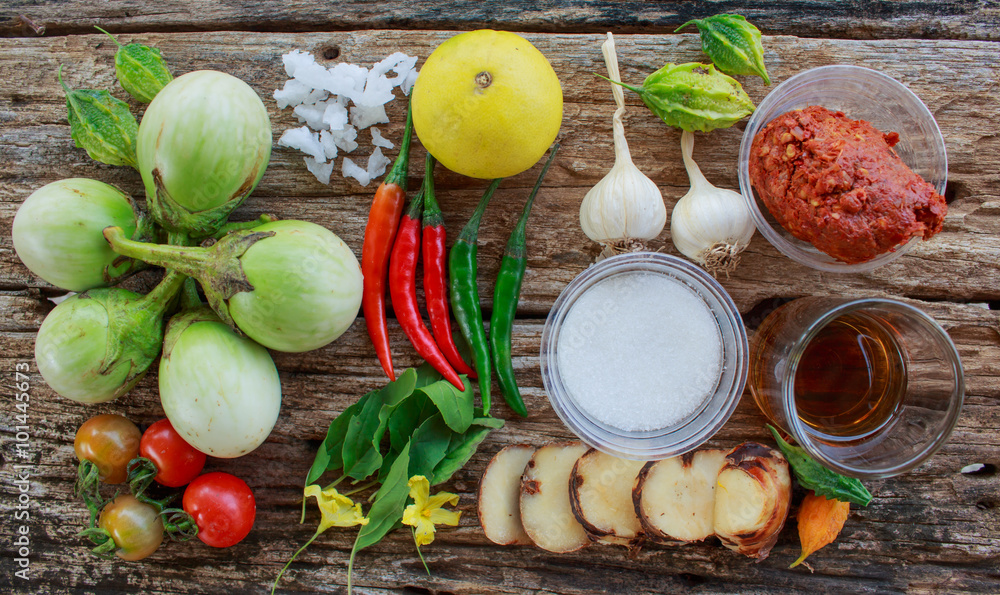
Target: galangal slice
500, 496
601, 496
546, 513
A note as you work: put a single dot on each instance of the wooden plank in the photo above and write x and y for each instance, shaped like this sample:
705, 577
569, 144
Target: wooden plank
956, 79
952, 19
932, 530
929, 530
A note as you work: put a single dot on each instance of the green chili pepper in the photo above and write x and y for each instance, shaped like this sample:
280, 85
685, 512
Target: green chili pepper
693, 97
102, 125
732, 43
465, 295
814, 476
140, 69
506, 294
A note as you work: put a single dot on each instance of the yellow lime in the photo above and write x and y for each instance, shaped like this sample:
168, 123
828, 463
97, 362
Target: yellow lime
487, 104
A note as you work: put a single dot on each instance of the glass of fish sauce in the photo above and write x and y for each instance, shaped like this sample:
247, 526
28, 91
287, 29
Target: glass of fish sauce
870, 387
644, 356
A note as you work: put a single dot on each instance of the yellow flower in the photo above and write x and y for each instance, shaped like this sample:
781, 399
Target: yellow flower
337, 510
426, 511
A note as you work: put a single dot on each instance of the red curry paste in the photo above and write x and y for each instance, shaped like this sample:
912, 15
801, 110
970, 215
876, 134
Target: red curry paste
838, 184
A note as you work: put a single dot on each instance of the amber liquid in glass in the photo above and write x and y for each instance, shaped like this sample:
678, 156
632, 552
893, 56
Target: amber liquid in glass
850, 379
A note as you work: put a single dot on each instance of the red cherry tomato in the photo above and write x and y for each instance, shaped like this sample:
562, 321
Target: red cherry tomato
135, 526
222, 506
110, 442
177, 462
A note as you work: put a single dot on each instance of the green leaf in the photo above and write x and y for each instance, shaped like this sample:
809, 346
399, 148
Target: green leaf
488, 422
455, 406
361, 440
390, 500
460, 450
334, 441
426, 374
395, 392
429, 445
405, 418
824, 482
101, 124
387, 462
320, 465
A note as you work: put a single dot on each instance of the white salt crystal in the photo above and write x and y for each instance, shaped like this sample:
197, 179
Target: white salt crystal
378, 91
293, 93
377, 163
322, 171
335, 116
350, 170
296, 58
347, 80
408, 80
390, 62
311, 114
363, 117
380, 141
640, 351
405, 65
346, 138
314, 75
304, 140
329, 144
315, 96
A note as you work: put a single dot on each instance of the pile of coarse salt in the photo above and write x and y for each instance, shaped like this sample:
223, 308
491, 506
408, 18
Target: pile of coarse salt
320, 98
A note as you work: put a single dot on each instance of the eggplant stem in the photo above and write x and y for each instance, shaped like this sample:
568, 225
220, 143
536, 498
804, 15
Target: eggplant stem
185, 259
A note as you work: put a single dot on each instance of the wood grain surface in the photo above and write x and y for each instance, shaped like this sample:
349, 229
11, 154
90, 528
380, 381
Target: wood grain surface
948, 19
933, 530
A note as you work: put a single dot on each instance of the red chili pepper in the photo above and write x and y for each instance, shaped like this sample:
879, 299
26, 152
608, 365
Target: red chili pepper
383, 220
403, 290
435, 274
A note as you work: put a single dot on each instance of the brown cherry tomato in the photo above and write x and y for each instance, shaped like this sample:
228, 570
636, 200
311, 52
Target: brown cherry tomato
135, 526
110, 442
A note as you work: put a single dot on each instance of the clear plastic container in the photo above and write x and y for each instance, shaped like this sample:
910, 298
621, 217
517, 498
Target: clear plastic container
862, 94
689, 432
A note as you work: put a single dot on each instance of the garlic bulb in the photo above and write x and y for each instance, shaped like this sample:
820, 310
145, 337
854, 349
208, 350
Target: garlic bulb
625, 208
709, 225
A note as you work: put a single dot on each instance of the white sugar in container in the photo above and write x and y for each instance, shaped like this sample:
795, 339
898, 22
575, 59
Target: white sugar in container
644, 356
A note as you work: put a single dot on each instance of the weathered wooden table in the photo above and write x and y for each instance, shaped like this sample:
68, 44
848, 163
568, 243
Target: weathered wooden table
934, 529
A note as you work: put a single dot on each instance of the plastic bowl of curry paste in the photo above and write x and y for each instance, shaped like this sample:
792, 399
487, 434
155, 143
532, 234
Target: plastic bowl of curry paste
861, 94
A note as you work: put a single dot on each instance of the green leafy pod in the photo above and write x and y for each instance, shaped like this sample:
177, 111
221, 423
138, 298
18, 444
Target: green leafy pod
694, 97
814, 476
732, 43
140, 69
102, 125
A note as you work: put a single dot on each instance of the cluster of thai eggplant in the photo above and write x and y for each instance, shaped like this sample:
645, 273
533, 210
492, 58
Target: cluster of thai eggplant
201, 148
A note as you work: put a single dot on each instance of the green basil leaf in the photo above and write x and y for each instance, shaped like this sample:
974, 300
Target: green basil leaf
429, 445
395, 392
460, 450
361, 439
390, 500
426, 374
405, 418
824, 482
319, 466
455, 406
334, 441
488, 422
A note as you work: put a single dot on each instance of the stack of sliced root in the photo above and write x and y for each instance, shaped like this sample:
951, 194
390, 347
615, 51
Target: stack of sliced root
564, 496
